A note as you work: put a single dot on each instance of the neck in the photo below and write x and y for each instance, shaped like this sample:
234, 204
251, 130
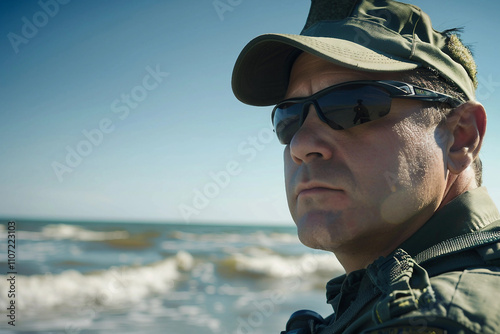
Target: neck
354, 257
457, 185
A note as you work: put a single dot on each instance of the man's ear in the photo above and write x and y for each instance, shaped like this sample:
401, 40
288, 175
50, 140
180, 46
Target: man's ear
467, 123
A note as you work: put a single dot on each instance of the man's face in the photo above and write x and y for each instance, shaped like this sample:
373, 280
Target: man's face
372, 185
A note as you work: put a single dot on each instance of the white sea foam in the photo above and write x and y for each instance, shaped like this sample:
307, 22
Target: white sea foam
72, 232
259, 237
69, 232
115, 287
261, 262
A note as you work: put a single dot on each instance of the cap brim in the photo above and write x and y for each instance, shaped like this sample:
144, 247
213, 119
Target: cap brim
261, 73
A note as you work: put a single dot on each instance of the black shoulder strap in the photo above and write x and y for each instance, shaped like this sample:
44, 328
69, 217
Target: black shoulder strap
472, 249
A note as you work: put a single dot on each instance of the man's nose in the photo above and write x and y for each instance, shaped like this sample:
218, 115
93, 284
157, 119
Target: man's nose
310, 140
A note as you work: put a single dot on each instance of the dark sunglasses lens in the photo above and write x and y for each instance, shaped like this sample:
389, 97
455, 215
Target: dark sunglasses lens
341, 108
354, 105
286, 121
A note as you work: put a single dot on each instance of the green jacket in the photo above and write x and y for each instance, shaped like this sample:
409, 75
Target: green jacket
444, 279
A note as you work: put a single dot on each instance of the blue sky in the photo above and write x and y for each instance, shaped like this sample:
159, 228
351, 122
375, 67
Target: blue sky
123, 110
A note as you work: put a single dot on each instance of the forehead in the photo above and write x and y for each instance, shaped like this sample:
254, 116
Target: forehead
310, 74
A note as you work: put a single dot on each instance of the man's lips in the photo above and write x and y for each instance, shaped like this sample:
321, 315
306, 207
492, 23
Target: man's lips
311, 188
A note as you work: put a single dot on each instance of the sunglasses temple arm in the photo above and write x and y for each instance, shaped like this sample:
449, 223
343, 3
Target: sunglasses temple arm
440, 99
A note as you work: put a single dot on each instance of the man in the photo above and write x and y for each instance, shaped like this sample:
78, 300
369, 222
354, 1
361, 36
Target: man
398, 197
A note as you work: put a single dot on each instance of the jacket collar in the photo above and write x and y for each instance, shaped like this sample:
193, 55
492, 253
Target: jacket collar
469, 212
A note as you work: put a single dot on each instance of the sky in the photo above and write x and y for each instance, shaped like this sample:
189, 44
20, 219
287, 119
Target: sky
123, 110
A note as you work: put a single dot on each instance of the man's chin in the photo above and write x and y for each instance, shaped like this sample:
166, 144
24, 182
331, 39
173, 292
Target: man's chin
315, 231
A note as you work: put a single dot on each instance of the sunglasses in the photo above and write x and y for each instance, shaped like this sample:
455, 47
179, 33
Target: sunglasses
349, 104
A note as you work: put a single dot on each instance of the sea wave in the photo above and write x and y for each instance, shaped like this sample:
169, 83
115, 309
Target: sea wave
261, 262
258, 237
69, 232
72, 232
181, 277
114, 287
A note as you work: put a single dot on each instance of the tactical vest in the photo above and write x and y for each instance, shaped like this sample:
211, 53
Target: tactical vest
398, 284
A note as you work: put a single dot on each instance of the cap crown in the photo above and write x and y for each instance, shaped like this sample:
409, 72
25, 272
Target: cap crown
365, 35
406, 20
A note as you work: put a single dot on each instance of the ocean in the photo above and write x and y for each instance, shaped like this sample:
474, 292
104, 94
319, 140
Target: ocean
158, 278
